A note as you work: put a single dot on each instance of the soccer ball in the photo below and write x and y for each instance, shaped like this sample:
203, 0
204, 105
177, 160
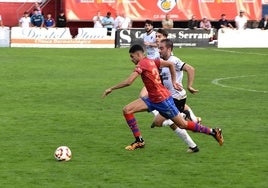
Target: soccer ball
63, 153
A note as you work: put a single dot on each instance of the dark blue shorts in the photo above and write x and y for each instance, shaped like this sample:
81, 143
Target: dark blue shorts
166, 108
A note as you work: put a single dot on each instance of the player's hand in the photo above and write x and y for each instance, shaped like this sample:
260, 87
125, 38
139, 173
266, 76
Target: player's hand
146, 43
193, 90
106, 92
177, 86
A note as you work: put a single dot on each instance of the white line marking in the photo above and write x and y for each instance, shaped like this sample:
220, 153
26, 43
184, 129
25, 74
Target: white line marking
236, 52
217, 82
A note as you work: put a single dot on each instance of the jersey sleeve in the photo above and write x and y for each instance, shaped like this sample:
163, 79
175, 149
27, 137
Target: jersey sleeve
138, 69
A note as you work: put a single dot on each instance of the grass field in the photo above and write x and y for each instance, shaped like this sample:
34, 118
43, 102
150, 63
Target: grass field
52, 97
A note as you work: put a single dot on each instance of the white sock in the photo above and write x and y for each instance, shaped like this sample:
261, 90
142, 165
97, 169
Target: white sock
192, 115
155, 112
167, 122
182, 133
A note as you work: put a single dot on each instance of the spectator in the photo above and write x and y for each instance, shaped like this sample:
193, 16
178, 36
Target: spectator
193, 23
49, 21
167, 22
1, 21
108, 21
37, 19
126, 22
205, 24
118, 21
223, 23
263, 25
61, 20
241, 21
97, 20
38, 7
25, 20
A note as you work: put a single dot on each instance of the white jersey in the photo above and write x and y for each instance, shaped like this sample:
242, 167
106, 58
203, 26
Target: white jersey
117, 22
241, 22
97, 20
166, 78
25, 22
126, 23
152, 52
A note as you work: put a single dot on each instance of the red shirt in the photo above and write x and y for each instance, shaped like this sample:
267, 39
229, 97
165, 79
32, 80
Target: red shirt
148, 69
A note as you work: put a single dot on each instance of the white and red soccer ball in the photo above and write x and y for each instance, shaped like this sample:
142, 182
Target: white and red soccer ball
63, 153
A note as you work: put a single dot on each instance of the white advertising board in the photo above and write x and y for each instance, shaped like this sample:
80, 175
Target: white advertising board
248, 38
61, 38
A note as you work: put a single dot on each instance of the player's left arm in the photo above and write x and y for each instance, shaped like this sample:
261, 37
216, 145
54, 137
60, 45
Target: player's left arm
122, 84
190, 77
172, 70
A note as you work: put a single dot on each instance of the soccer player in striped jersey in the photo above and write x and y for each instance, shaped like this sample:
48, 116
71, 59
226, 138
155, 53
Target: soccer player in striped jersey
159, 98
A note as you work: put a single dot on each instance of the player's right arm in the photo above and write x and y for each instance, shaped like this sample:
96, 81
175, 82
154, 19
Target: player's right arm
122, 84
190, 75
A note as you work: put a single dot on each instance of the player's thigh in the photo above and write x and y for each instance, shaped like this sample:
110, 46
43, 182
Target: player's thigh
143, 92
135, 106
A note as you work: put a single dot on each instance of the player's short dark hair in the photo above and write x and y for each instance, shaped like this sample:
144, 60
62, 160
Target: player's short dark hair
168, 43
135, 48
163, 32
149, 22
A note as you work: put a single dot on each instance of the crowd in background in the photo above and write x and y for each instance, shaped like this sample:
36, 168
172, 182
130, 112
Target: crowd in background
36, 18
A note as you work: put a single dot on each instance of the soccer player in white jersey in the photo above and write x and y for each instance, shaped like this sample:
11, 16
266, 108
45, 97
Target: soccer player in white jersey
179, 97
163, 34
150, 40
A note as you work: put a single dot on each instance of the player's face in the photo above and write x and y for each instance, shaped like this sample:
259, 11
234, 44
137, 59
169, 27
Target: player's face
134, 57
148, 27
163, 50
159, 37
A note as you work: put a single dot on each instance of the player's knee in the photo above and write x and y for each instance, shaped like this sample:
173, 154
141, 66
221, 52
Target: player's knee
157, 123
126, 110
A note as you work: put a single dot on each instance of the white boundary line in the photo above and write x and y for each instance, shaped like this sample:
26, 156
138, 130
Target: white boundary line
217, 82
236, 52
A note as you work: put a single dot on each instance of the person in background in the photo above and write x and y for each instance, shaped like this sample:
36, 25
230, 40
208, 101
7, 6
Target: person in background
37, 19
1, 21
149, 40
25, 20
126, 22
108, 21
117, 21
241, 21
205, 24
263, 25
193, 23
38, 7
167, 22
97, 20
223, 23
49, 21
61, 20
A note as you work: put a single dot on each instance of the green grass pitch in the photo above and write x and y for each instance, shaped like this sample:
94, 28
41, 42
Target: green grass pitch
52, 97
